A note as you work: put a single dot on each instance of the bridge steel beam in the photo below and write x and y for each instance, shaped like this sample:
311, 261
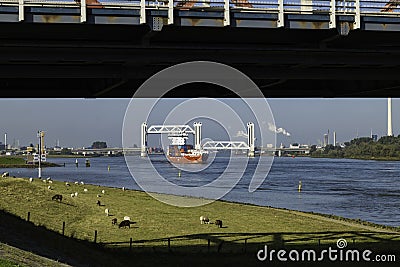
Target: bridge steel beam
21, 10
83, 11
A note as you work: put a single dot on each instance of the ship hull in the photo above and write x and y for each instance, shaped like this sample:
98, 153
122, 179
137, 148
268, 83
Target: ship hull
184, 159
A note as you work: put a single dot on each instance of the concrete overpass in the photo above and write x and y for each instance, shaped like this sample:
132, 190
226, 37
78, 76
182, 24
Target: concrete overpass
293, 48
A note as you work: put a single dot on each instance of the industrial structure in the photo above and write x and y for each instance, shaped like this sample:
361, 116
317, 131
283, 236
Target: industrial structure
389, 126
176, 132
280, 45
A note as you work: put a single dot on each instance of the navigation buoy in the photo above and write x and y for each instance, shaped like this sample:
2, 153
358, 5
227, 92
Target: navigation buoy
76, 163
179, 174
299, 186
108, 167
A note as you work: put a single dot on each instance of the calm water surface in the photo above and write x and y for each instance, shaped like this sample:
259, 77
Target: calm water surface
369, 190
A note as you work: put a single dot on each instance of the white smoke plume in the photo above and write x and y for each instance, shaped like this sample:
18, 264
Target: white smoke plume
241, 134
273, 128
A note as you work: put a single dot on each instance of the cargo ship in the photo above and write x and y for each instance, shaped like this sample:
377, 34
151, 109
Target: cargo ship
181, 153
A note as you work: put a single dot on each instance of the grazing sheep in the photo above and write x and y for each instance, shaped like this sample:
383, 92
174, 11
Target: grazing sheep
49, 187
107, 212
124, 223
114, 221
76, 194
204, 220
218, 223
98, 196
123, 188
57, 197
85, 190
72, 194
103, 191
98, 203
82, 183
50, 181
126, 218
31, 180
67, 184
76, 183
5, 174
44, 181
48, 178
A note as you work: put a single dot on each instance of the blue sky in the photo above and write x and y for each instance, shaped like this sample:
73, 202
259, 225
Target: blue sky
79, 122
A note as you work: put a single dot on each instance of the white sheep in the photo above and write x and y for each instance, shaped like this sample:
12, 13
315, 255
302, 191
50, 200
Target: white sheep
76, 194
67, 184
204, 219
107, 212
82, 183
76, 183
72, 194
50, 181
5, 174
123, 188
31, 180
98, 196
44, 181
85, 190
49, 187
103, 191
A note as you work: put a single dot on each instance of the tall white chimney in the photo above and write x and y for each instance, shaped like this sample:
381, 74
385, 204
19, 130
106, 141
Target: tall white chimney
389, 129
334, 138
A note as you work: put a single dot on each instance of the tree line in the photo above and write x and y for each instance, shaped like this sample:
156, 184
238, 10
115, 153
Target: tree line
387, 147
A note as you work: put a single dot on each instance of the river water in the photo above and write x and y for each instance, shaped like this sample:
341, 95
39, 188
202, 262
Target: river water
368, 190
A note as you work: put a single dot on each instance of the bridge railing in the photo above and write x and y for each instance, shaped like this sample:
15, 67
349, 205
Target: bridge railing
351, 7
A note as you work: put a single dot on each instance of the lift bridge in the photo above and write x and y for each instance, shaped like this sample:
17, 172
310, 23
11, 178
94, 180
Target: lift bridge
185, 130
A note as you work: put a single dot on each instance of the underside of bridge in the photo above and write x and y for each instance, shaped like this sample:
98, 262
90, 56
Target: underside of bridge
109, 61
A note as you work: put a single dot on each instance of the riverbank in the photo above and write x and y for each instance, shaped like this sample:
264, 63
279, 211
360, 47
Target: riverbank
160, 227
20, 162
73, 156
358, 157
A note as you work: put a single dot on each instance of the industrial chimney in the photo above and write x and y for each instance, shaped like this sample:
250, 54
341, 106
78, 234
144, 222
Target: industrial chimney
389, 129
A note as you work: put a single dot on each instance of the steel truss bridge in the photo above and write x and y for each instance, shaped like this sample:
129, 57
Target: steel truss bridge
108, 48
345, 15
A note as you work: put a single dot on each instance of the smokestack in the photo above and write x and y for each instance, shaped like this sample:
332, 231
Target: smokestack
389, 129
334, 138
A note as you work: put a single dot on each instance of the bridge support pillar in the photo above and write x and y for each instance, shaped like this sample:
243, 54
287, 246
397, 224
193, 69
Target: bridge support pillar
250, 139
197, 135
143, 140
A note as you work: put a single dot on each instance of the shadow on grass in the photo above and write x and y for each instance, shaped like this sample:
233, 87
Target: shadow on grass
211, 249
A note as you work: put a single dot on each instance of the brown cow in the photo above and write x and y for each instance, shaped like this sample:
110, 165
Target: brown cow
218, 223
124, 223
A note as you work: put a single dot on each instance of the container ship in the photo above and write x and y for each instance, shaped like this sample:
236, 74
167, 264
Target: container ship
181, 153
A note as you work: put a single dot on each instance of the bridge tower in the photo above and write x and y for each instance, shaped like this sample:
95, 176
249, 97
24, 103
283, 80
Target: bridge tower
143, 140
250, 139
197, 135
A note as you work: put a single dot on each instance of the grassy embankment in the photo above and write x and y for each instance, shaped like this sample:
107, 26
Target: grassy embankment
246, 227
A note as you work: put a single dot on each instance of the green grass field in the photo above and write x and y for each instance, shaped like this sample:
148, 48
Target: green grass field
11, 160
246, 227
